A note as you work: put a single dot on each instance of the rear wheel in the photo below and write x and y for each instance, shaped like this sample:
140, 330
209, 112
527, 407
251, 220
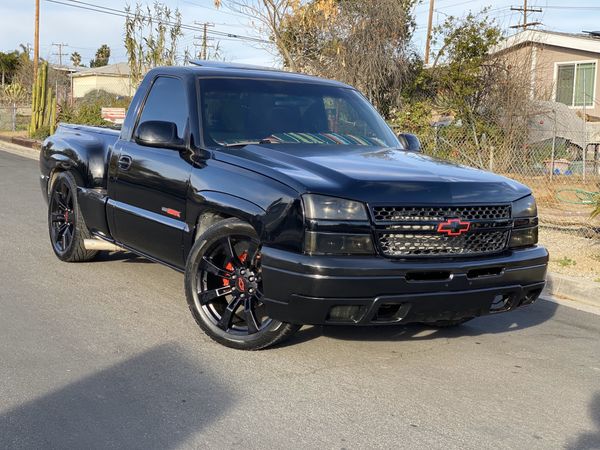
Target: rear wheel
223, 282
66, 226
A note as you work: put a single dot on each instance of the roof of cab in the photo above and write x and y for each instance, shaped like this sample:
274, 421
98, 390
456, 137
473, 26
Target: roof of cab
221, 69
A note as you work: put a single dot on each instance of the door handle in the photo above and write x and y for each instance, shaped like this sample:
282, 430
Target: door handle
125, 162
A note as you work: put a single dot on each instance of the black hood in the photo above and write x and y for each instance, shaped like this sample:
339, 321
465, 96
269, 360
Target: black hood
374, 174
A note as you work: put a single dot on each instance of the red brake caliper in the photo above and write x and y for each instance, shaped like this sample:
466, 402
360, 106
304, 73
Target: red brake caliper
229, 267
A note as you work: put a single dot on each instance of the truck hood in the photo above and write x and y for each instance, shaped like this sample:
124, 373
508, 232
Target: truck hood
374, 174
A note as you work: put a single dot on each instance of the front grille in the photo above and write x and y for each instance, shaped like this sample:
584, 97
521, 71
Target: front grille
406, 231
401, 244
410, 214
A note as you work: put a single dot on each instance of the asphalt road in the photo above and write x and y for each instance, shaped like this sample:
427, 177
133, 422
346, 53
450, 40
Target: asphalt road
106, 354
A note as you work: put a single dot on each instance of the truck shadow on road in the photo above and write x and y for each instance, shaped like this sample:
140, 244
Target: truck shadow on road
158, 399
522, 318
591, 440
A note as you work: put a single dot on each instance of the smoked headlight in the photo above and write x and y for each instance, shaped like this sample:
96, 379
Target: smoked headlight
525, 231
525, 207
321, 207
336, 226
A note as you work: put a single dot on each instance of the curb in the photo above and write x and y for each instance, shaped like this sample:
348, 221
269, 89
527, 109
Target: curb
21, 141
573, 288
30, 152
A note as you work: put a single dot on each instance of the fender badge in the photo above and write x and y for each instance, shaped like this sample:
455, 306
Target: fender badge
171, 212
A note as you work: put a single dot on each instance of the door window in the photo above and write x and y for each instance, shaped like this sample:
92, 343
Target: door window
167, 102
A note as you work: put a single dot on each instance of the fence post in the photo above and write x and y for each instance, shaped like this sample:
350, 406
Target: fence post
14, 116
553, 155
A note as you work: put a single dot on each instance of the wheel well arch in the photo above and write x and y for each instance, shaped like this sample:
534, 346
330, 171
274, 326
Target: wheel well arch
216, 206
58, 170
206, 220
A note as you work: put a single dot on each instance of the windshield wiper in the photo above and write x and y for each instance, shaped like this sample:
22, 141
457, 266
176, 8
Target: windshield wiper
244, 143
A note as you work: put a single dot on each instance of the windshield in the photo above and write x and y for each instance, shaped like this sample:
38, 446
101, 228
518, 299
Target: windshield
241, 111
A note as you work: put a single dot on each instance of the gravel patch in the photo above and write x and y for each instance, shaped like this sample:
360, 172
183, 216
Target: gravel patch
571, 254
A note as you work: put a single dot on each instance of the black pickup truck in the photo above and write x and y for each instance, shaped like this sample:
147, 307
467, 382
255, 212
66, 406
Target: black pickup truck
287, 200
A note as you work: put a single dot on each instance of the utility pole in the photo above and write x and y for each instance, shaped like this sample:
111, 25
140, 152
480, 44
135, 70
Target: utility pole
60, 53
36, 40
429, 27
204, 39
525, 10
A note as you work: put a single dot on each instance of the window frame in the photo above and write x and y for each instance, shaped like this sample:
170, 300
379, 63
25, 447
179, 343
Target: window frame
557, 64
186, 131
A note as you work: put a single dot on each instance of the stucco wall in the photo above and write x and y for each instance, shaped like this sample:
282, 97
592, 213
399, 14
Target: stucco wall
540, 61
114, 84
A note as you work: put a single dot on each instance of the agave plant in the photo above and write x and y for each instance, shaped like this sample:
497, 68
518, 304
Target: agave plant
14, 93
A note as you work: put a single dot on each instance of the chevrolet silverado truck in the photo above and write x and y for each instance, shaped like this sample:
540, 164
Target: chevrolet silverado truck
287, 200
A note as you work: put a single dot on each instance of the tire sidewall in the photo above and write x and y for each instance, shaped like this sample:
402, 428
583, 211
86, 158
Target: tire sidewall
69, 179
224, 228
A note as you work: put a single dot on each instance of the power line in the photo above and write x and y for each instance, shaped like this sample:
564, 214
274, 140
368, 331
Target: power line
119, 13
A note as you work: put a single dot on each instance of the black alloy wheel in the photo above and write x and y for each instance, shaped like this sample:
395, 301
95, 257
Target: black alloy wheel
62, 223
224, 288
66, 225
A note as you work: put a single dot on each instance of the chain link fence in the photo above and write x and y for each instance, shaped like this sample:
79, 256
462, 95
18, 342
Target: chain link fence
14, 118
557, 155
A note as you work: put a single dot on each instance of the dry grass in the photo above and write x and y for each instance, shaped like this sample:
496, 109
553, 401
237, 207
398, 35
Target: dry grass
571, 254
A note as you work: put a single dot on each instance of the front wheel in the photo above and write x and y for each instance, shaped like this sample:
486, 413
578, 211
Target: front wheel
223, 284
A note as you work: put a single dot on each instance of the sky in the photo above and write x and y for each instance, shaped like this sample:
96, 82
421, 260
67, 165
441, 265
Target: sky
84, 31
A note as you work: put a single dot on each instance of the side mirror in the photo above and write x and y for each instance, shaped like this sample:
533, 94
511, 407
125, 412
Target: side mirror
156, 133
410, 142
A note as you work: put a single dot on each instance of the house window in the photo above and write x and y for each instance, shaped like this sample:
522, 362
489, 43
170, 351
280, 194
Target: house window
575, 84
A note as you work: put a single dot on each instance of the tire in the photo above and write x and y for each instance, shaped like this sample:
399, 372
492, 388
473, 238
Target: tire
223, 287
447, 323
66, 226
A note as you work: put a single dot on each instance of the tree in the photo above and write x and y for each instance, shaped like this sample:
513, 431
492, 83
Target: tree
366, 44
102, 56
9, 64
151, 38
485, 94
76, 59
268, 17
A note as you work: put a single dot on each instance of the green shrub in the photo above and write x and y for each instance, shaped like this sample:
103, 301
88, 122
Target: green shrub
87, 110
41, 133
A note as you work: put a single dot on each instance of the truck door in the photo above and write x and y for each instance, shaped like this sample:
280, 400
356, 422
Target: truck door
150, 184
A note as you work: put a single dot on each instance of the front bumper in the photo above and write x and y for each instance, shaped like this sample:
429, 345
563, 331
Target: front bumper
323, 290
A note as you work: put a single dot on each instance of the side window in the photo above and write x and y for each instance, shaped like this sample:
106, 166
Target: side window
344, 119
167, 102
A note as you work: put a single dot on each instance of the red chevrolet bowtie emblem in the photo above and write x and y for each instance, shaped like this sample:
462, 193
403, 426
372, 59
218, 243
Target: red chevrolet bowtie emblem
454, 227
241, 285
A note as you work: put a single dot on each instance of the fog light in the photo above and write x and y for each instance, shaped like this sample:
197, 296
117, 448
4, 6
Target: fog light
338, 244
524, 238
348, 313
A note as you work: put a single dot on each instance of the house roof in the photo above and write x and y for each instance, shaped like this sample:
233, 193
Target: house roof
583, 42
68, 69
116, 70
